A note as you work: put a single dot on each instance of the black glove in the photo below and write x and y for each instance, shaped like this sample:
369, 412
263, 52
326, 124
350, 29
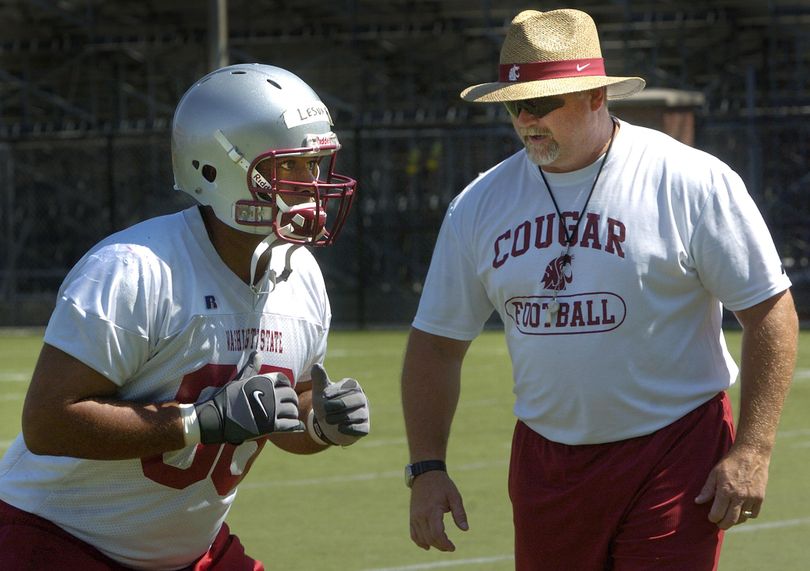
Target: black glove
248, 407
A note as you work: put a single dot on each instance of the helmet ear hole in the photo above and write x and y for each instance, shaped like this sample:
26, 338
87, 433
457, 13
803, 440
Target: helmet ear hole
209, 173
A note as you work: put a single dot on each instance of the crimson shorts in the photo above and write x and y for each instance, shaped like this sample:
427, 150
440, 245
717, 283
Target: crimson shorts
621, 506
31, 543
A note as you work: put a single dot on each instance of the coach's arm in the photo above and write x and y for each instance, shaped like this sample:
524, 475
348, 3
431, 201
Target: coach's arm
431, 379
770, 336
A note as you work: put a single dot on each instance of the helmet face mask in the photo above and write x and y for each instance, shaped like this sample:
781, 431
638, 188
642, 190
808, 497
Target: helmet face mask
297, 210
232, 130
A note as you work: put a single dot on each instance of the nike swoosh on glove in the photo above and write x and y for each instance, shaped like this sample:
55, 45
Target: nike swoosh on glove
248, 407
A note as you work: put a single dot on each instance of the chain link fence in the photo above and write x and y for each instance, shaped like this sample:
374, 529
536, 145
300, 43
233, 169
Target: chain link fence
62, 195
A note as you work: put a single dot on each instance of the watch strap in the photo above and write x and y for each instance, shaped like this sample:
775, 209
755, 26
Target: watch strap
419, 468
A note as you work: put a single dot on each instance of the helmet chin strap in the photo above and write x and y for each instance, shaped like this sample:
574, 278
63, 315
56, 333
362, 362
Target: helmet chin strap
271, 240
261, 248
270, 274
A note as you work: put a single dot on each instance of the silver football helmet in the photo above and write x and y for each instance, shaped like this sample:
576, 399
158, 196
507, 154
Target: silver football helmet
246, 118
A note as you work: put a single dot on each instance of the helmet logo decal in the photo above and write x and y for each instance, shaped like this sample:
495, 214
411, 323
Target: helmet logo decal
327, 140
311, 113
259, 180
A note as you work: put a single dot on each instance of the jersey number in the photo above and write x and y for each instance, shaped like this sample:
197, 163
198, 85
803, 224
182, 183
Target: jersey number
213, 459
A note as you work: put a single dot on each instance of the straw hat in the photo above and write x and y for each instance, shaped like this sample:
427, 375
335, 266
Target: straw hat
550, 53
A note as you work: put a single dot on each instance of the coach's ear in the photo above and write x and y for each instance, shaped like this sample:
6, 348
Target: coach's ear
597, 97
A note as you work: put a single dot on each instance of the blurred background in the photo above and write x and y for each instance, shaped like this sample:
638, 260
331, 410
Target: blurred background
88, 89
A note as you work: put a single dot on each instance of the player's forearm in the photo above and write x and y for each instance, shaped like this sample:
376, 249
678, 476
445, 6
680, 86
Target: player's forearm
72, 410
299, 442
106, 429
770, 336
431, 378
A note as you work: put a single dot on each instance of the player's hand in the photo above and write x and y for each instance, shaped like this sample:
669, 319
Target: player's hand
737, 484
434, 494
248, 407
341, 414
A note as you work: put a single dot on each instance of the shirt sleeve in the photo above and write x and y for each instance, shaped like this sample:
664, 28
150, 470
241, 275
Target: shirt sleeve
318, 353
322, 308
454, 301
733, 250
102, 313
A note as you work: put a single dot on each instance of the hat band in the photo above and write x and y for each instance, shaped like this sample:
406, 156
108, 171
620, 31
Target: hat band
516, 72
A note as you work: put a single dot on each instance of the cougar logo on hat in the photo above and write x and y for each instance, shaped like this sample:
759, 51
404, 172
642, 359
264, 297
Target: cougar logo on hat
550, 53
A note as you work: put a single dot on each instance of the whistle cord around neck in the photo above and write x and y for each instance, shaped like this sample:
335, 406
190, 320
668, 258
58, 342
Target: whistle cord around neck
553, 305
569, 237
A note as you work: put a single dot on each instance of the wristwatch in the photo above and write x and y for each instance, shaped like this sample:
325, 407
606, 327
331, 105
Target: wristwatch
419, 468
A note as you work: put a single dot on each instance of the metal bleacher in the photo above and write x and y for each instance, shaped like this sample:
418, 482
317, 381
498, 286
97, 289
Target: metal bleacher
88, 88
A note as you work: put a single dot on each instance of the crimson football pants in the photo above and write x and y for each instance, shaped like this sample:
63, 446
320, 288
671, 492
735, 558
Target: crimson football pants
622, 506
31, 543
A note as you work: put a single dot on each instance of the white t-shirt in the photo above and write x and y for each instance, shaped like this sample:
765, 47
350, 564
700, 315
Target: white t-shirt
669, 234
155, 310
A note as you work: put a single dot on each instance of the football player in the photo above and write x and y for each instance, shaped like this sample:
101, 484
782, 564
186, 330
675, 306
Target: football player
180, 346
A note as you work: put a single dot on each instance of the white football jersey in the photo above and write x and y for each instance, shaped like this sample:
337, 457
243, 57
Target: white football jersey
154, 309
669, 235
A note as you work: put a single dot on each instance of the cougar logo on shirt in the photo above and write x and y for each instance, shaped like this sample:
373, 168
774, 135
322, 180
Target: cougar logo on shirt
558, 273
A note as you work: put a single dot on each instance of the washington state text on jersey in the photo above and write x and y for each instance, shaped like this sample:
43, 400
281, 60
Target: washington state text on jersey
253, 338
517, 241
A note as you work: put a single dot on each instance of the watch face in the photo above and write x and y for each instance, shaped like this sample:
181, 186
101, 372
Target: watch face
419, 468
408, 476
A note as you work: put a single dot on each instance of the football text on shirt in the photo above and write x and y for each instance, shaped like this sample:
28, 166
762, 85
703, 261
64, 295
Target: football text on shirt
587, 312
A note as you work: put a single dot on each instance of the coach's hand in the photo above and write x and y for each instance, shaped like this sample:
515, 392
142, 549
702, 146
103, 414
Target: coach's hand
248, 407
340, 412
736, 487
434, 494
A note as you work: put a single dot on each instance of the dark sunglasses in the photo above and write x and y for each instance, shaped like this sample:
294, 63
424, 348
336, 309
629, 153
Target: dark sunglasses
539, 107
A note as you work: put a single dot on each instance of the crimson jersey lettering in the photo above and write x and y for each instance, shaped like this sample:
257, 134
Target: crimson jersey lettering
591, 312
546, 230
226, 474
259, 339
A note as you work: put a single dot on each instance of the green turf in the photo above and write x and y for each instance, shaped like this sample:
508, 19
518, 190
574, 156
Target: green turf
346, 509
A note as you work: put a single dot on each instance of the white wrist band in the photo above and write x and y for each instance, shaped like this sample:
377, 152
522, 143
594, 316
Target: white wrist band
313, 434
191, 424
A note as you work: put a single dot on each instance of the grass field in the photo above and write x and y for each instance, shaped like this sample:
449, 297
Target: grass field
346, 509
